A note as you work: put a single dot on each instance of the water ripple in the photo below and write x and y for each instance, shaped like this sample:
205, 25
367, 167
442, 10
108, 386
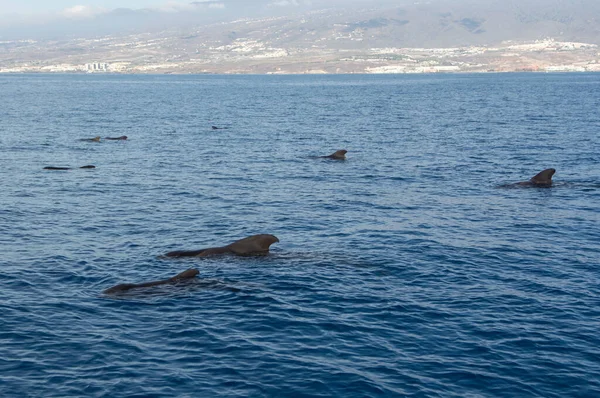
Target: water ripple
402, 271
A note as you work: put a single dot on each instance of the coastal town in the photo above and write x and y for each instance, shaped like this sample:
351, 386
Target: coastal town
322, 42
253, 56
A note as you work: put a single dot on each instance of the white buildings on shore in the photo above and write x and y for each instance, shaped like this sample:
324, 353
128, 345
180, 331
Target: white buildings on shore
97, 67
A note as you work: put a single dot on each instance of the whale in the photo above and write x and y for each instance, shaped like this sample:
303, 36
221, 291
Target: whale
218, 128
122, 138
254, 245
181, 277
95, 139
89, 166
543, 179
337, 155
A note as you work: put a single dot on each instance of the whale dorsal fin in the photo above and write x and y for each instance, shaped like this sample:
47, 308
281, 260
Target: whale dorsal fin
340, 155
543, 177
254, 244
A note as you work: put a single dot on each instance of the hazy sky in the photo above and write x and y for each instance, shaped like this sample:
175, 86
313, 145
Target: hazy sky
24, 19
30, 7
52, 6
12, 11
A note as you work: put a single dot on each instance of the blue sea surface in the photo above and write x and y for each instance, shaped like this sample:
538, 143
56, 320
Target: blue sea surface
406, 270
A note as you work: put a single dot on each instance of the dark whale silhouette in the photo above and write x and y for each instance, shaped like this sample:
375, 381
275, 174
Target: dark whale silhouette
543, 179
337, 155
89, 166
95, 139
122, 138
219, 128
185, 275
251, 246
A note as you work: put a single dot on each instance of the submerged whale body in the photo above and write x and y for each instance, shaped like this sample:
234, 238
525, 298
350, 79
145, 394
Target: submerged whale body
89, 166
543, 179
124, 287
251, 246
122, 138
95, 139
337, 155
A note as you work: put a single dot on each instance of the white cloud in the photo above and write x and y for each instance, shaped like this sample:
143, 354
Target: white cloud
178, 6
175, 6
284, 3
80, 11
287, 3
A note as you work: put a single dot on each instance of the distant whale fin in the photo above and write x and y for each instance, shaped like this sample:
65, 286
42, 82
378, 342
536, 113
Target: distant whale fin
68, 168
543, 177
337, 155
187, 274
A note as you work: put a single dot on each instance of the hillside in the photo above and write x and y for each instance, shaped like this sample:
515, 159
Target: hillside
472, 36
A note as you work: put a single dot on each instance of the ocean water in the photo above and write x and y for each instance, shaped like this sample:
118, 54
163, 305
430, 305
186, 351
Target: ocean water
403, 271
